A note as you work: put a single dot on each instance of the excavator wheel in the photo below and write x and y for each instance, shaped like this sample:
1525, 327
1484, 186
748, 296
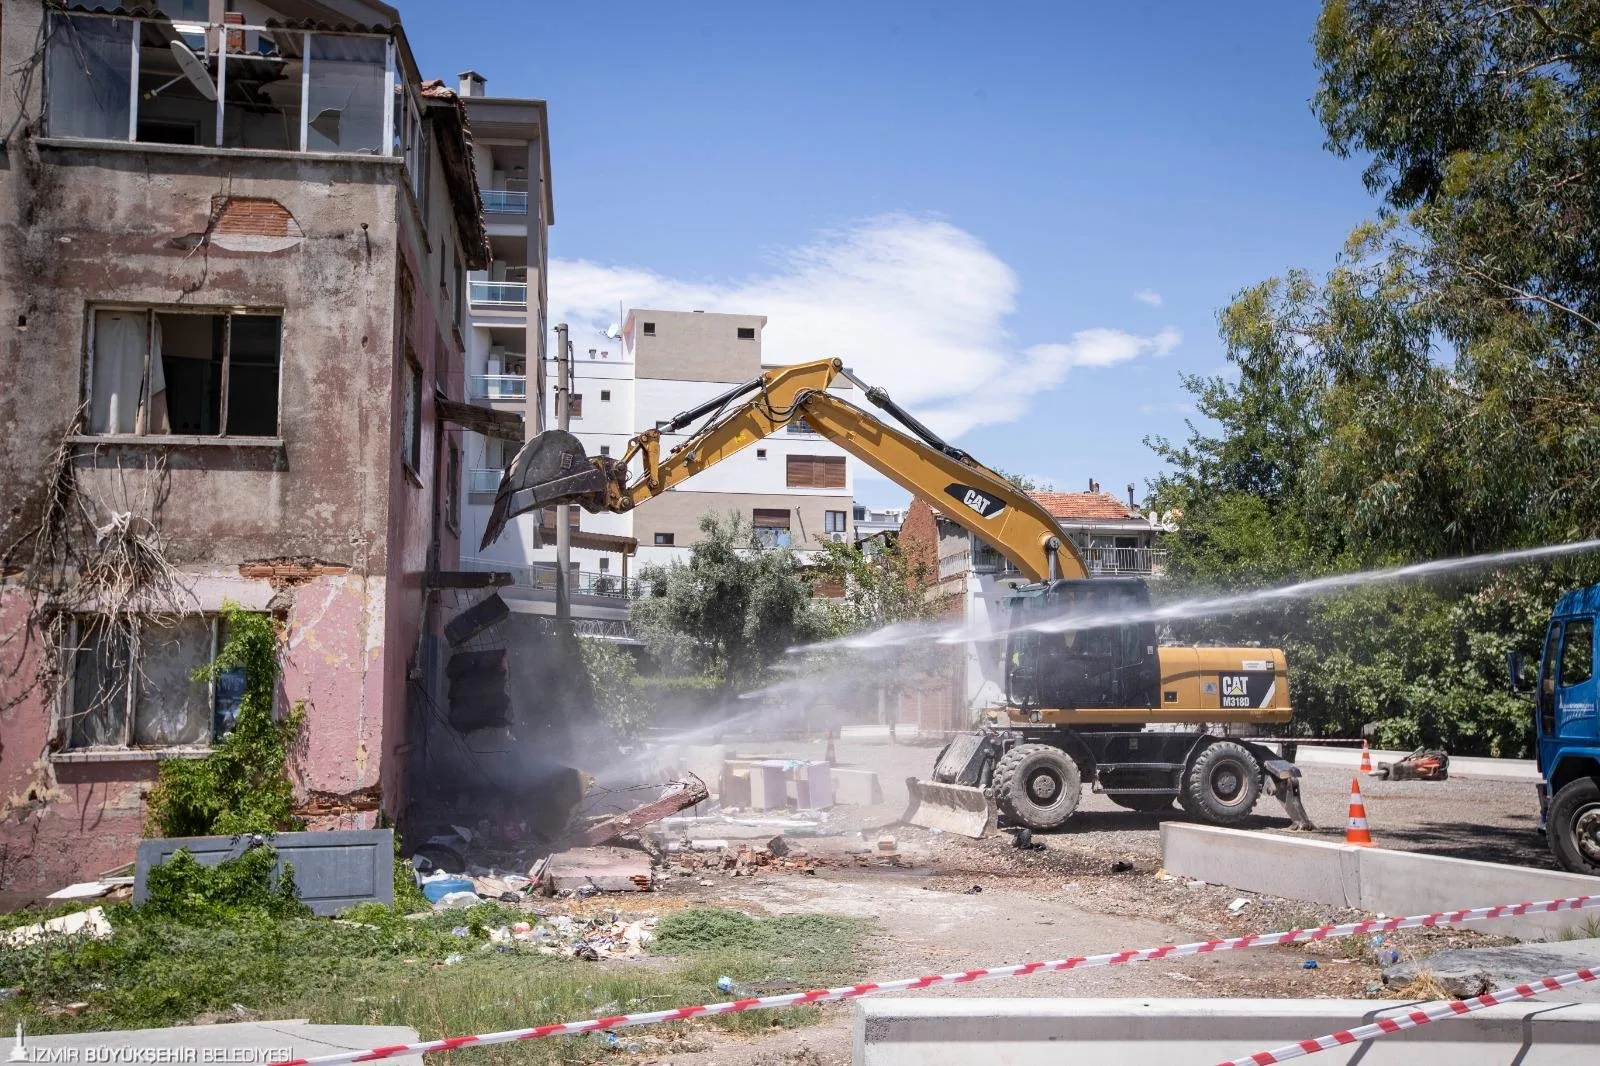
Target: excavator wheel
1140, 801
1222, 784
1037, 786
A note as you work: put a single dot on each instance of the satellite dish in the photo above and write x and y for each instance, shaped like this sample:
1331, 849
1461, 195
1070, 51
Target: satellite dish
613, 331
194, 69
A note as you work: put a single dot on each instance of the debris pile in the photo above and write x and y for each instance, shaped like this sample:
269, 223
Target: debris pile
608, 936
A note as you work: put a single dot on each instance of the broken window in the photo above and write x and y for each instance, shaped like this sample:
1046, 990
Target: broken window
452, 487
411, 417
89, 76
133, 684
771, 527
177, 81
178, 372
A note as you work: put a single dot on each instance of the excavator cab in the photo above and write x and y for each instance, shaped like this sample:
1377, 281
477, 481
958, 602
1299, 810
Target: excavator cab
1107, 665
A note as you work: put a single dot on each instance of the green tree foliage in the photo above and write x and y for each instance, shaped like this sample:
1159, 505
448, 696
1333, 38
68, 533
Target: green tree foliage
1436, 394
619, 699
732, 609
880, 588
243, 785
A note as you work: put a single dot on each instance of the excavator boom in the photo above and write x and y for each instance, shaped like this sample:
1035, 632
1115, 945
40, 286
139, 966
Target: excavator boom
553, 468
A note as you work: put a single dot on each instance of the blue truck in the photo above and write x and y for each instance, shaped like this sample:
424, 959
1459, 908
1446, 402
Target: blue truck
1567, 730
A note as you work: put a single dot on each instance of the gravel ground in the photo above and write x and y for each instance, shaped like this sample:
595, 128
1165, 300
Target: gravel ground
1467, 818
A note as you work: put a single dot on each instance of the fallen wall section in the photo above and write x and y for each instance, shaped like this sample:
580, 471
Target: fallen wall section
1370, 879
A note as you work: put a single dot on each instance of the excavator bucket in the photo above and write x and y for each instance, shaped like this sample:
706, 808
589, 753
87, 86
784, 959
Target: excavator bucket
549, 469
963, 809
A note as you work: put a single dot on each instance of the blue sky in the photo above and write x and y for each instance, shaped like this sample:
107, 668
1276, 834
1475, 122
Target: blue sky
963, 205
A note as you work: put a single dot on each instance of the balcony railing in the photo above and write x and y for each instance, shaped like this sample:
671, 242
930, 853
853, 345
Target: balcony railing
505, 202
542, 577
498, 386
955, 564
483, 480
1114, 561
499, 295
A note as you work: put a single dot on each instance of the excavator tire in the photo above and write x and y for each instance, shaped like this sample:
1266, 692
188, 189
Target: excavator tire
1037, 786
1222, 785
1140, 801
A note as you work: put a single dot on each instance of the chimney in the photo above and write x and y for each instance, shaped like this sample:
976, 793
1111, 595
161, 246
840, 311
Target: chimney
472, 83
1131, 505
1094, 486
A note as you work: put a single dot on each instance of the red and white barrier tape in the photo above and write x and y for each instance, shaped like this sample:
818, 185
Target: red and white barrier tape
1022, 969
1411, 1019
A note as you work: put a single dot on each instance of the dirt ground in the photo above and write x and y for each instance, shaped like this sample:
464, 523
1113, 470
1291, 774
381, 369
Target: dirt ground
1096, 887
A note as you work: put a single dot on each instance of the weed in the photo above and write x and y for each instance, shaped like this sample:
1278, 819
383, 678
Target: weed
1587, 929
33, 916
374, 966
243, 785
183, 889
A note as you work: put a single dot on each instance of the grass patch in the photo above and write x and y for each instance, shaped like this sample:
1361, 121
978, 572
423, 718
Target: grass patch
375, 967
1587, 929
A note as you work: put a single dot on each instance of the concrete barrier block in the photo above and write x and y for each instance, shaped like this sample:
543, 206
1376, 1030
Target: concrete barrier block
1404, 882
1196, 1032
1265, 863
856, 788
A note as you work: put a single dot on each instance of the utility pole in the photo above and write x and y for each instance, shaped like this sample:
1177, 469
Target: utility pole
563, 534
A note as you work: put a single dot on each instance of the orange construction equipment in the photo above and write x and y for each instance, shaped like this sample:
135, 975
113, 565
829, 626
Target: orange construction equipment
1366, 758
1356, 831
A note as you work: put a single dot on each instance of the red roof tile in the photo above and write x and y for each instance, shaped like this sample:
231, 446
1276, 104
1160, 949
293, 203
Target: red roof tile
1085, 505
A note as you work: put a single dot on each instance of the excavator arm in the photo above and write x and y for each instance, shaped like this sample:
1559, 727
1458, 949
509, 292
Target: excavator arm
552, 468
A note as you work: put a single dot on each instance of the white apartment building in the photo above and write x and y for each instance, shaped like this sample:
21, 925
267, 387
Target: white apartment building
794, 487
505, 314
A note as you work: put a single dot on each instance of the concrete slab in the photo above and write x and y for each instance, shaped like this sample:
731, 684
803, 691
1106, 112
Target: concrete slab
238, 1043
1372, 879
1198, 1032
856, 788
1473, 971
1266, 863
607, 869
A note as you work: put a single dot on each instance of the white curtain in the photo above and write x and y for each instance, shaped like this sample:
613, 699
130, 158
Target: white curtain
119, 363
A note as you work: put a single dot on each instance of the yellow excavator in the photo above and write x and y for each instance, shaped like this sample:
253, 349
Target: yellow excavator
1104, 703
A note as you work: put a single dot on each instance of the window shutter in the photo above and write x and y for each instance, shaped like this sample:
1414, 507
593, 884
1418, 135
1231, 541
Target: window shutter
815, 472
770, 518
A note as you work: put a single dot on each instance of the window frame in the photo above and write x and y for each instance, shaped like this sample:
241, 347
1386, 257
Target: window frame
73, 623
452, 486
746, 333
1586, 625
814, 464
219, 45
574, 405
649, 329
827, 522
411, 436
665, 540
605, 395
141, 419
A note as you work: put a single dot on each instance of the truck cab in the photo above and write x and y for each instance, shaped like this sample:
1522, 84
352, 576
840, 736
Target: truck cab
1566, 695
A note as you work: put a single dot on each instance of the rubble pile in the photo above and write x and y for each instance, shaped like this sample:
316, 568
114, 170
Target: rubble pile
606, 936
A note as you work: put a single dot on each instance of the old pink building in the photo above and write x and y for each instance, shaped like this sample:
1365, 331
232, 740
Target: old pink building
234, 238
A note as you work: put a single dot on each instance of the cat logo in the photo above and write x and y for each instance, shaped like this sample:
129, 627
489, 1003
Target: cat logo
976, 500
1234, 685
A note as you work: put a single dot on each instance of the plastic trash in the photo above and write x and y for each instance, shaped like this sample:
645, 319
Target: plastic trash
1309, 964
732, 987
436, 888
456, 899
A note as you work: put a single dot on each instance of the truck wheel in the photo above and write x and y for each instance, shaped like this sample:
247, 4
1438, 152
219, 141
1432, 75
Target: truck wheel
1574, 826
1140, 801
1223, 783
1037, 786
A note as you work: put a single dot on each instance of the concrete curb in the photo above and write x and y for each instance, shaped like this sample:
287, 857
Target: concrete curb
1198, 1032
1369, 879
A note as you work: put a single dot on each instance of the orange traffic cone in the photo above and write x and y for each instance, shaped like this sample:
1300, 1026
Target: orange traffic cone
1356, 831
1366, 758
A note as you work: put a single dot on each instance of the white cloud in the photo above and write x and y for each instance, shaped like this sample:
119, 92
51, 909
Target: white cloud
913, 304
1148, 296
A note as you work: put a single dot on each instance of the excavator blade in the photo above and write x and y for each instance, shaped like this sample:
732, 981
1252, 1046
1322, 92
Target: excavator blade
551, 468
953, 808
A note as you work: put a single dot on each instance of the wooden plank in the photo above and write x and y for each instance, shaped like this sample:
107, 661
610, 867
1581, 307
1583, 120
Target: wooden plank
468, 579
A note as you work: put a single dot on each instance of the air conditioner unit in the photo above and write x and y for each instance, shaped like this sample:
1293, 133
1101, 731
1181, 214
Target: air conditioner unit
837, 538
